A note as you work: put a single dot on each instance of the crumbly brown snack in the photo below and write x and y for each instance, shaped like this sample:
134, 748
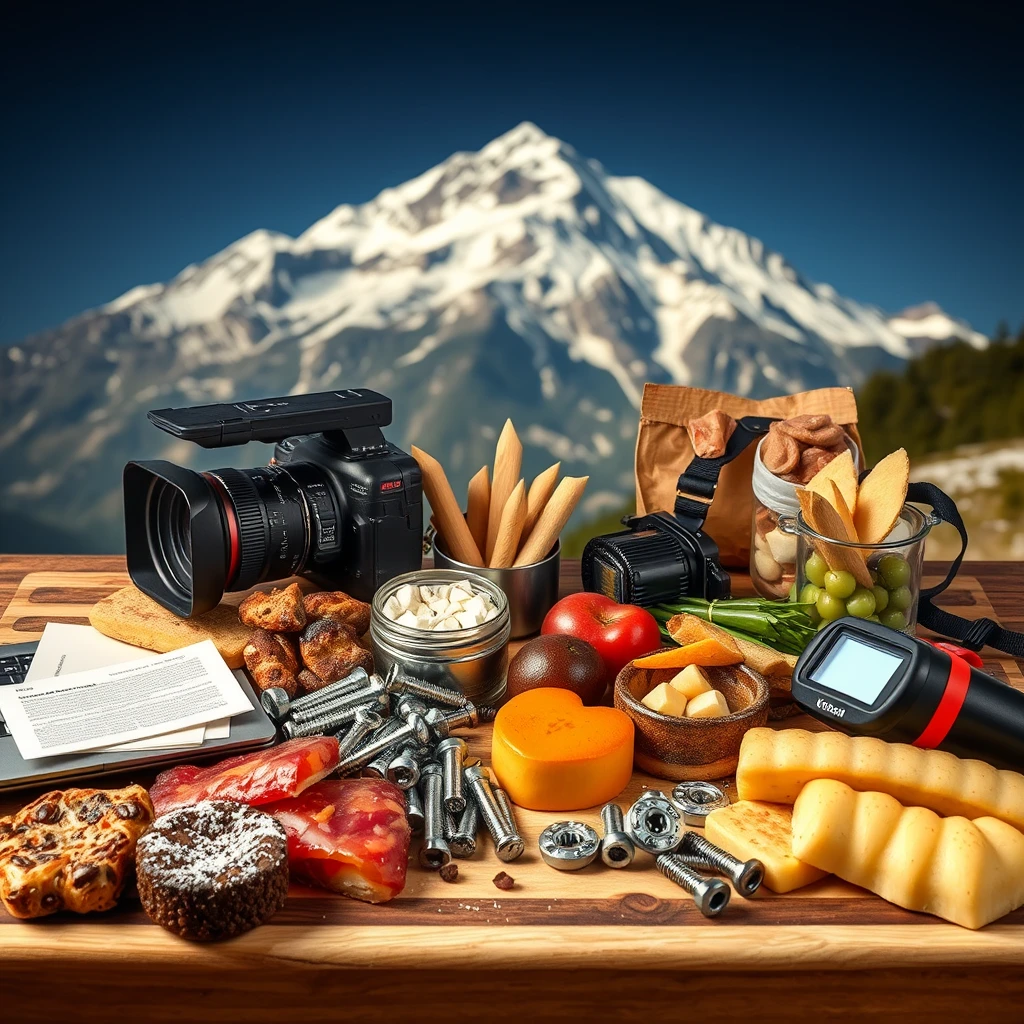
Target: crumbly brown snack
450, 872
332, 650
213, 870
337, 605
275, 610
798, 448
504, 881
71, 849
271, 661
710, 433
309, 681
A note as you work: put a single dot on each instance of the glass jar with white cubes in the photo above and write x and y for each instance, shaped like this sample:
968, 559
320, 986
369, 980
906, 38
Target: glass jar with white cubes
445, 627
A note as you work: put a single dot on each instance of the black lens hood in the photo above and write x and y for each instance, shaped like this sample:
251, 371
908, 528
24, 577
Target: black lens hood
143, 483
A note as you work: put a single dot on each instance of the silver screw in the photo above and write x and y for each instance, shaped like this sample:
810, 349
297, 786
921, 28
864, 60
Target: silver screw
507, 844
279, 709
745, 875
414, 728
397, 682
507, 811
451, 753
463, 841
617, 849
403, 769
319, 725
414, 809
373, 694
378, 767
434, 852
364, 722
710, 894
696, 863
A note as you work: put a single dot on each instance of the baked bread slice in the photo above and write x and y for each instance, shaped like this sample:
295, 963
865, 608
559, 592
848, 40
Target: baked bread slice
71, 849
278, 610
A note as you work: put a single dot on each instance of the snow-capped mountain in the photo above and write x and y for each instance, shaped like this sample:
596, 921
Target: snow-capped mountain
521, 280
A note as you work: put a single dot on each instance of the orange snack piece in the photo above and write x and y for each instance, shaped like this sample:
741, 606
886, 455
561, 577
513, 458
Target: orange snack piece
550, 753
703, 652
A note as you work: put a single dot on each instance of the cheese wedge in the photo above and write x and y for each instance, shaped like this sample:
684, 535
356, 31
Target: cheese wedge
967, 872
752, 829
665, 700
691, 682
776, 765
707, 705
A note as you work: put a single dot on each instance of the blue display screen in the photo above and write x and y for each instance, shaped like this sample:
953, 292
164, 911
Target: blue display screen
856, 669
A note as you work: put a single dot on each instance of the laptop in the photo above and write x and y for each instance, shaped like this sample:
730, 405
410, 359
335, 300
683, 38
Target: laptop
248, 731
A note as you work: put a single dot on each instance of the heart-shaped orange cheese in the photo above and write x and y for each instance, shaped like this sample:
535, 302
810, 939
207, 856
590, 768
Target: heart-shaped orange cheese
550, 753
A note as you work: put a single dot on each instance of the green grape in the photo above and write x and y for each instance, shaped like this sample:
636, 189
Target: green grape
861, 604
815, 569
809, 595
840, 584
792, 596
901, 599
873, 575
893, 618
894, 571
872, 618
881, 598
830, 607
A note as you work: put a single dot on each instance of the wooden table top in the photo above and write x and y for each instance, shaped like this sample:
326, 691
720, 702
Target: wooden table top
560, 943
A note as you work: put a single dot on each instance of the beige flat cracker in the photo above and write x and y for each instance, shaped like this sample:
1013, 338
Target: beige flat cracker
840, 471
824, 519
881, 497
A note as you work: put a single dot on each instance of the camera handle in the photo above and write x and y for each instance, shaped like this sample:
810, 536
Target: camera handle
697, 484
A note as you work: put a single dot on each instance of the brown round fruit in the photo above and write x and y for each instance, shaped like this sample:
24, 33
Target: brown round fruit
560, 661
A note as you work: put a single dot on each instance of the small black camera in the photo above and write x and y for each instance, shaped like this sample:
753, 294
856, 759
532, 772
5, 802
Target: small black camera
342, 505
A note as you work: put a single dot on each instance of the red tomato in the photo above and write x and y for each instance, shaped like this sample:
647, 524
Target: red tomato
619, 632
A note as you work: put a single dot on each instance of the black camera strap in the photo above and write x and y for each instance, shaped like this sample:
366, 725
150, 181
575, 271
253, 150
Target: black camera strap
973, 634
697, 484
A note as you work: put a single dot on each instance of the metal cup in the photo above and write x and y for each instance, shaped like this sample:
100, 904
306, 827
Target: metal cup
531, 589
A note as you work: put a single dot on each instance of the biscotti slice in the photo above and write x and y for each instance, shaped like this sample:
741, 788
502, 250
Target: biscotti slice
776, 765
752, 829
967, 872
132, 617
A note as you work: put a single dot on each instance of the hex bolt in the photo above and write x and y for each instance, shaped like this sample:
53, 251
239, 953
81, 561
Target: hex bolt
745, 875
403, 769
414, 728
373, 694
397, 682
710, 894
450, 753
507, 843
434, 852
407, 704
414, 809
617, 849
507, 811
319, 725
378, 767
364, 722
278, 706
463, 840
467, 717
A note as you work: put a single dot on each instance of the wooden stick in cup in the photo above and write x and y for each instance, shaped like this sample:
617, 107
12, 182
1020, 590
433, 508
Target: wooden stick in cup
510, 529
478, 501
450, 523
541, 489
552, 520
508, 461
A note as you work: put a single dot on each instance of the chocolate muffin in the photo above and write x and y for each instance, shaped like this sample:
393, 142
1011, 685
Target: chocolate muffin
212, 870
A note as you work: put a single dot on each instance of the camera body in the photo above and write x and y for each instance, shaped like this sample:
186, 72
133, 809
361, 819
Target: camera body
338, 502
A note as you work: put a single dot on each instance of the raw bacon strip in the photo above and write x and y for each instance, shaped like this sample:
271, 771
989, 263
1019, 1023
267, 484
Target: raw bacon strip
255, 779
350, 836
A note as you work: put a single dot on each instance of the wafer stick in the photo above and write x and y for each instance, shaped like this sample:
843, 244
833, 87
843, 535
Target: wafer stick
478, 500
541, 489
510, 529
554, 517
508, 461
442, 500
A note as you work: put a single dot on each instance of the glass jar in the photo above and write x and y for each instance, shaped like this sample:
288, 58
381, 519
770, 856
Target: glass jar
894, 566
773, 551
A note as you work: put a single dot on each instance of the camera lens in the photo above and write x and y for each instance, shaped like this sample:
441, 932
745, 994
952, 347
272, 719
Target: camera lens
171, 532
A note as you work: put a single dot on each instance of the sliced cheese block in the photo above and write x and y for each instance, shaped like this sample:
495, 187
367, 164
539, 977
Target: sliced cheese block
690, 682
967, 872
665, 700
551, 753
707, 705
752, 829
776, 765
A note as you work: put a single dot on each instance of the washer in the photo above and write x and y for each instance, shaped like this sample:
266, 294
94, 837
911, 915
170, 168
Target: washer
569, 845
697, 800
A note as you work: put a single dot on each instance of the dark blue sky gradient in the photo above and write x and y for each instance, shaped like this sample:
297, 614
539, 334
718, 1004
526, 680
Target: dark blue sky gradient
879, 150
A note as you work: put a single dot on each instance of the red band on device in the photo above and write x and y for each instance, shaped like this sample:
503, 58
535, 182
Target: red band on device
949, 706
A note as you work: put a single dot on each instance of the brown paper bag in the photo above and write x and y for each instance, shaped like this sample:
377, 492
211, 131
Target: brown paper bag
663, 451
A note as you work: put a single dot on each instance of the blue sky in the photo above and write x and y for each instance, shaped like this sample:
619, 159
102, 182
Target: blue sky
879, 148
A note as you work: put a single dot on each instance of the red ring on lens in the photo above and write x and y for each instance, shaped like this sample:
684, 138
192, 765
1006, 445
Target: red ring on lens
234, 541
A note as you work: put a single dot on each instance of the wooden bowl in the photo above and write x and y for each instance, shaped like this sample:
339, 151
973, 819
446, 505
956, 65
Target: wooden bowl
688, 749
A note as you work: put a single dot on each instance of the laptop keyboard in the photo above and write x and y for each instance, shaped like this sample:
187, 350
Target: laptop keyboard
13, 669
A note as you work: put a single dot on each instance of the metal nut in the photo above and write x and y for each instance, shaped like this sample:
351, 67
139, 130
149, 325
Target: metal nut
696, 800
569, 845
654, 823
